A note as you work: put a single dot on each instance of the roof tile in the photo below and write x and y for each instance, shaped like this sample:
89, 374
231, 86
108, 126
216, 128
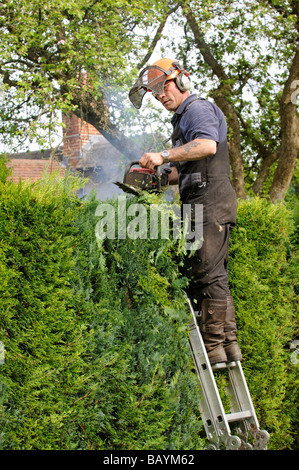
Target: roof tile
33, 169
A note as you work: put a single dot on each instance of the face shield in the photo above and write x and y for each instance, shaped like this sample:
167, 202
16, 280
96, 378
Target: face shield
152, 79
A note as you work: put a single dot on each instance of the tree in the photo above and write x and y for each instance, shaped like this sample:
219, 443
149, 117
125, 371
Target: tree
82, 57
64, 56
250, 50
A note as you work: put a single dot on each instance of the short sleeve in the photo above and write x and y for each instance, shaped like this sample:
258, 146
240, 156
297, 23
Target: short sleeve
201, 121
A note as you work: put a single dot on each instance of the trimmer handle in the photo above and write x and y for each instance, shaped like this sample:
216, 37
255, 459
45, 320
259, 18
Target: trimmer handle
158, 172
129, 166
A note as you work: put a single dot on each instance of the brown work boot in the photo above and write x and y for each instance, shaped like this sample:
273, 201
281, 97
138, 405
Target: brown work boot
231, 346
212, 328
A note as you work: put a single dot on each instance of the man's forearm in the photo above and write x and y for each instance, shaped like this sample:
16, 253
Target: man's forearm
194, 150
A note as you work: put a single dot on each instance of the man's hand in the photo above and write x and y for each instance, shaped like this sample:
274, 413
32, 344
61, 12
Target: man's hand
150, 160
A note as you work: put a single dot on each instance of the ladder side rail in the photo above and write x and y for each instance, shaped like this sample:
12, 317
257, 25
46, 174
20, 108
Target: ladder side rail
241, 396
212, 409
209, 423
242, 412
261, 437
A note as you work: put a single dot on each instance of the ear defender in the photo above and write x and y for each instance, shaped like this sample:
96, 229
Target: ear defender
182, 81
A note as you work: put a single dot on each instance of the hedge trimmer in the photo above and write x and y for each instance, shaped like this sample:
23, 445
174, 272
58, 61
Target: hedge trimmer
137, 180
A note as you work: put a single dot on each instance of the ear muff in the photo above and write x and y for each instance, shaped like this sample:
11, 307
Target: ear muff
182, 82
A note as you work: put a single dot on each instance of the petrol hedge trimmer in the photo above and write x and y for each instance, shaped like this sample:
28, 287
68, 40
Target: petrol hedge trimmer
137, 180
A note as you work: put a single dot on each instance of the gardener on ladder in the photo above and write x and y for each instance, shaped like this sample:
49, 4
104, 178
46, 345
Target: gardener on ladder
200, 165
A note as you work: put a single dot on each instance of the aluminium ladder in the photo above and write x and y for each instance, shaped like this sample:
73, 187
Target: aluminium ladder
217, 423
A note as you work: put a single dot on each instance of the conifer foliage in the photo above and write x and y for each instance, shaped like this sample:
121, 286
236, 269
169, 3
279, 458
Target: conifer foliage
96, 350
95, 357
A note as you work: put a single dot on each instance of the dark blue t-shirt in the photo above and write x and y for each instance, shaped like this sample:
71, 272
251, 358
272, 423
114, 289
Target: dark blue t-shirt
202, 120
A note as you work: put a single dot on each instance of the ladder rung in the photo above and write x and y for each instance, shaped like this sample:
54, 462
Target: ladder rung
223, 365
238, 416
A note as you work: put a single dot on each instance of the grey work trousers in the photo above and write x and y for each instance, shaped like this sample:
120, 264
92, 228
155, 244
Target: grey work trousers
207, 268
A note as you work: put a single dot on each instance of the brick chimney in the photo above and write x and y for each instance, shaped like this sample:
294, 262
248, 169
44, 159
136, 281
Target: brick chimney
76, 134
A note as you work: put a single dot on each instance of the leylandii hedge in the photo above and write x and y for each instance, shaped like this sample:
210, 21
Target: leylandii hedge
96, 354
264, 283
95, 357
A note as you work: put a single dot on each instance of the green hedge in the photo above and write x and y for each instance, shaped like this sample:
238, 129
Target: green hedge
94, 358
96, 354
264, 282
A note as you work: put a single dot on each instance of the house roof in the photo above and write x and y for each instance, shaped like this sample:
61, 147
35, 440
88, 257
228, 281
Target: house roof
46, 154
32, 165
98, 160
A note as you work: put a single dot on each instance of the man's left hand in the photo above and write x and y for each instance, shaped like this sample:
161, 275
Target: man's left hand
150, 160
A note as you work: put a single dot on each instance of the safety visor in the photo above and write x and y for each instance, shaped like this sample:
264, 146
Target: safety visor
153, 79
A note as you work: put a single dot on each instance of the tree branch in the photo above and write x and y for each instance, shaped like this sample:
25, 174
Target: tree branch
289, 149
202, 45
221, 96
156, 38
279, 8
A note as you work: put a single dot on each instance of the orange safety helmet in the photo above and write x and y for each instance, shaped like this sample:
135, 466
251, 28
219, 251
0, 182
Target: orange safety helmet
153, 78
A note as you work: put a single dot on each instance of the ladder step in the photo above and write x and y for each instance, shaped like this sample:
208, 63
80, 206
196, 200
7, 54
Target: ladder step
238, 416
223, 365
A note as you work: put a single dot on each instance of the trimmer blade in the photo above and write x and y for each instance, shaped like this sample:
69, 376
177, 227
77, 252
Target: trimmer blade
129, 189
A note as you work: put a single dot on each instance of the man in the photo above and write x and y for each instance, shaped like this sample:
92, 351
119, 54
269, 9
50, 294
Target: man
200, 165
